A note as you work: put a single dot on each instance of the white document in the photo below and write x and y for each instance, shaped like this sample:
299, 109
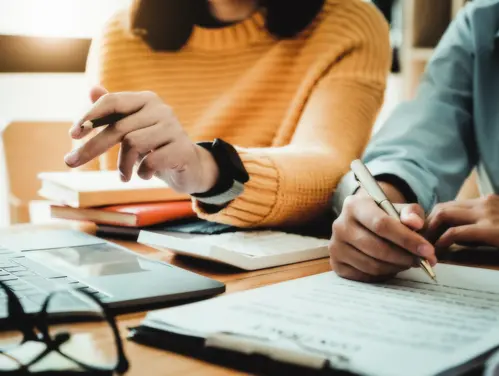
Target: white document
409, 326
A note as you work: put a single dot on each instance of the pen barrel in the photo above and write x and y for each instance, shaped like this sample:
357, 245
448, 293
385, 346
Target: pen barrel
108, 119
389, 209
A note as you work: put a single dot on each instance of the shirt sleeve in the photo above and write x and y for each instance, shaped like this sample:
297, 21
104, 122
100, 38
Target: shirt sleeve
429, 142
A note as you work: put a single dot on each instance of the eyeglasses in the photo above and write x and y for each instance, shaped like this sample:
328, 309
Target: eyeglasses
35, 344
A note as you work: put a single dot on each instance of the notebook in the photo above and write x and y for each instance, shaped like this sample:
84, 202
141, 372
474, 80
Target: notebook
248, 250
186, 226
82, 189
409, 326
131, 215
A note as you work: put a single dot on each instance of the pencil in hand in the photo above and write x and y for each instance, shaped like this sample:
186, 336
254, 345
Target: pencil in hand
106, 120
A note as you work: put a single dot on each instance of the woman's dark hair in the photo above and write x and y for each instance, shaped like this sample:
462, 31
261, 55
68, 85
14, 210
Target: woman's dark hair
167, 24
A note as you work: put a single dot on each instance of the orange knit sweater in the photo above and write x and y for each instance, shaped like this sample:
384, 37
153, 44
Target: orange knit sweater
298, 111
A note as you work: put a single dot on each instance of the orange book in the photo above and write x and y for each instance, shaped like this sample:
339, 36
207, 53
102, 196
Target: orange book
135, 215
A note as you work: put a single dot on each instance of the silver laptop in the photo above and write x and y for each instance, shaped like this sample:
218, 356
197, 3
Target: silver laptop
35, 263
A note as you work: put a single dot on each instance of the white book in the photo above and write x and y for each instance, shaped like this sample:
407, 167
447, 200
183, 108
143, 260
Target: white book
245, 250
83, 189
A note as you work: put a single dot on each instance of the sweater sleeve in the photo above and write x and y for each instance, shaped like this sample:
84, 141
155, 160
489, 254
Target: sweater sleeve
292, 184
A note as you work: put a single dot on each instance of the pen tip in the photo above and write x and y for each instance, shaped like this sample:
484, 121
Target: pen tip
87, 125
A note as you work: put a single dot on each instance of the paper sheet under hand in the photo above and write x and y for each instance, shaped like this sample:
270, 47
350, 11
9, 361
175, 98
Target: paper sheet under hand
410, 326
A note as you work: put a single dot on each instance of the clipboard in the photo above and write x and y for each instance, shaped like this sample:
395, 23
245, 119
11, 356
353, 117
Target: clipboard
225, 350
236, 352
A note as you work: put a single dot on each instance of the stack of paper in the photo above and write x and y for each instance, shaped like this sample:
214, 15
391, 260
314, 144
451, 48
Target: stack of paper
409, 326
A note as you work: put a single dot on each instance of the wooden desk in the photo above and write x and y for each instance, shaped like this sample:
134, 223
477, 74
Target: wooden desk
150, 361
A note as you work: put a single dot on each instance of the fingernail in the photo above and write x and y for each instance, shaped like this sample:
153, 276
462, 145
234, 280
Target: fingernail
415, 216
71, 158
425, 250
75, 130
123, 177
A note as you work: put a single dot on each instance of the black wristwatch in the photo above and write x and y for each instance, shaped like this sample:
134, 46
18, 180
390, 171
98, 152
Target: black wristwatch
232, 174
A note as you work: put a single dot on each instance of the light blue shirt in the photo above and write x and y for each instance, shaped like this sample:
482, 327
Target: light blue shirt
434, 141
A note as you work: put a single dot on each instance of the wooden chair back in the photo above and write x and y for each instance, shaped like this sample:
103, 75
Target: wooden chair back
31, 148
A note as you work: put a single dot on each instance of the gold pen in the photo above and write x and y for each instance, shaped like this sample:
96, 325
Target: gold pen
367, 181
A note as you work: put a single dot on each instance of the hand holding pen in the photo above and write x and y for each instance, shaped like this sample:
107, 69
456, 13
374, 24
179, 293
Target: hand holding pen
370, 245
150, 137
368, 183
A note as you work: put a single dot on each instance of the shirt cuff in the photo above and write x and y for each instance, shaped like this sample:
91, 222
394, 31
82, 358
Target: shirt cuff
389, 173
400, 184
412, 177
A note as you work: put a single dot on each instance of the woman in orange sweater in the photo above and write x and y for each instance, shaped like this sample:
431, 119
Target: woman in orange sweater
254, 108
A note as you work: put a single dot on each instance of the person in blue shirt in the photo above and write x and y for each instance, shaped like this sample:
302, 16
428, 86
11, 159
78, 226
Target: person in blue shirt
424, 153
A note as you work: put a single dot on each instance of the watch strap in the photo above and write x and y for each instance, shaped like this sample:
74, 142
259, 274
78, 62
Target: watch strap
223, 198
231, 178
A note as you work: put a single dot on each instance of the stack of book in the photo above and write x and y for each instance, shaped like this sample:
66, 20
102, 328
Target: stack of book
152, 214
117, 208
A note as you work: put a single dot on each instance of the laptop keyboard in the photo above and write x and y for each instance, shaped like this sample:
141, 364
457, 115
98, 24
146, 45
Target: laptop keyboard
32, 282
